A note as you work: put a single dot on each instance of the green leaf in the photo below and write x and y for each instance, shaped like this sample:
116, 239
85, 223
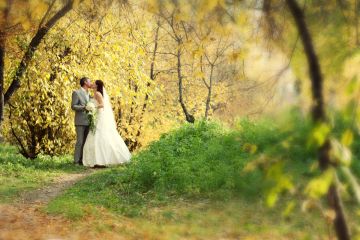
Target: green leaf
289, 208
319, 134
271, 198
347, 137
319, 186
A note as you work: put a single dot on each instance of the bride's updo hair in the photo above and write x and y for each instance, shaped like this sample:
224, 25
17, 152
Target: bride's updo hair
100, 86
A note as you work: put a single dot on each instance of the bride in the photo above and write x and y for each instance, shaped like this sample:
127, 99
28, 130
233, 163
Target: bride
104, 146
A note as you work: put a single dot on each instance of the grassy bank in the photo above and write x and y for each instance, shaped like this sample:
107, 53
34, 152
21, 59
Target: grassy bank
204, 164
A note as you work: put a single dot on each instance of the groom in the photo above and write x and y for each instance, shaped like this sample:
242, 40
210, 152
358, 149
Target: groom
79, 100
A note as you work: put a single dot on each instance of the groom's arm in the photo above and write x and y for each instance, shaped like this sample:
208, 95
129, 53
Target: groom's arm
75, 103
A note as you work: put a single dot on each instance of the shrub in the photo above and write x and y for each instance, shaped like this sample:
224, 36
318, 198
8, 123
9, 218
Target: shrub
39, 118
203, 159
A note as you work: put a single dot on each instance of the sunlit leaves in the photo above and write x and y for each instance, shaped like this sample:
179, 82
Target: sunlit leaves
76, 3
206, 6
347, 137
282, 182
108, 52
37, 9
319, 134
25, 13
319, 186
40, 118
153, 5
339, 153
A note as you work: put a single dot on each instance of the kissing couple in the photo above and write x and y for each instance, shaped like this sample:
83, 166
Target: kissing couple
98, 143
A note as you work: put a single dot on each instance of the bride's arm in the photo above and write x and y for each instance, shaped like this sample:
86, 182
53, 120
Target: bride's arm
99, 99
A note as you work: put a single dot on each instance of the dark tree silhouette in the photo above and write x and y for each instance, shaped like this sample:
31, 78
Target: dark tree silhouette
318, 114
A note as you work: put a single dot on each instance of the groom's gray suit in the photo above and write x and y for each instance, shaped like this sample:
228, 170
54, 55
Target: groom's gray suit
79, 99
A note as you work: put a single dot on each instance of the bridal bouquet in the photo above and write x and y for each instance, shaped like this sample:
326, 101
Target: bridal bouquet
91, 114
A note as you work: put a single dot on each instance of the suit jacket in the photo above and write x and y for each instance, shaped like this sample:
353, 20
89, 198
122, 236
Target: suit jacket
78, 103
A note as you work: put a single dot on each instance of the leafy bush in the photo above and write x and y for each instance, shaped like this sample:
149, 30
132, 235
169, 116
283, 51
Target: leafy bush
208, 160
203, 159
40, 119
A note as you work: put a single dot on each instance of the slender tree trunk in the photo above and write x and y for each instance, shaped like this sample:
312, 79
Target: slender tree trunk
190, 118
40, 34
208, 99
318, 114
152, 77
133, 102
129, 141
152, 68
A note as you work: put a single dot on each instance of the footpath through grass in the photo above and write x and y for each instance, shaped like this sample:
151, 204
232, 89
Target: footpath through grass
18, 174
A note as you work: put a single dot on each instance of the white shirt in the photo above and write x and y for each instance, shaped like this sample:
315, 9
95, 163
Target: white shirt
86, 94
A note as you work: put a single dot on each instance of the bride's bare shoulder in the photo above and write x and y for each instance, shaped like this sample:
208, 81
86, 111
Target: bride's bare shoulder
98, 94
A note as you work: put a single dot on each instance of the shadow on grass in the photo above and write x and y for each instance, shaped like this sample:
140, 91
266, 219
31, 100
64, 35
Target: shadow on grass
12, 160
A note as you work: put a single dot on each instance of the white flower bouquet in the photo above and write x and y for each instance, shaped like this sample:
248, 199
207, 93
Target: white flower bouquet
91, 114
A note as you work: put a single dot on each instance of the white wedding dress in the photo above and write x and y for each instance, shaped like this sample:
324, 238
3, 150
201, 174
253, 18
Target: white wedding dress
105, 146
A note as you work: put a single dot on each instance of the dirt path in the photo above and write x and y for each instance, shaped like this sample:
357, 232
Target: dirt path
25, 219
45, 194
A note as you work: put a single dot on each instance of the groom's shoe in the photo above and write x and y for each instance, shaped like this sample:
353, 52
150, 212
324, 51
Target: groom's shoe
99, 166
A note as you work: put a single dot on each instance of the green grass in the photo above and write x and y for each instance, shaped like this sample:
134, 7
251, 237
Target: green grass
201, 161
205, 163
18, 174
173, 217
191, 182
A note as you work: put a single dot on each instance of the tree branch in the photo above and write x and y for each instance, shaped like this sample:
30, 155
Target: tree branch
40, 34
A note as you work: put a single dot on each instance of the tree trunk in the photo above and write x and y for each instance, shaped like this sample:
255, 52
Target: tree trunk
318, 115
152, 66
208, 100
40, 34
152, 77
190, 118
3, 25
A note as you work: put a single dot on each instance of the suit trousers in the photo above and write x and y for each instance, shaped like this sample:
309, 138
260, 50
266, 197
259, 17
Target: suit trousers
81, 135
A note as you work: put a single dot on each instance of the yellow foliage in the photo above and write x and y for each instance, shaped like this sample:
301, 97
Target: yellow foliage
319, 134
282, 182
347, 137
40, 119
319, 186
118, 50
